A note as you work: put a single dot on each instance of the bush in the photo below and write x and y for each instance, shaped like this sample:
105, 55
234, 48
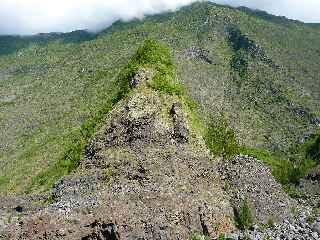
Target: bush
222, 237
270, 222
221, 139
313, 150
244, 218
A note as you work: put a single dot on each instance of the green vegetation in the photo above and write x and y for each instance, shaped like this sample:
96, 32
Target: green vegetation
222, 237
262, 75
270, 222
241, 47
11, 44
158, 57
109, 174
244, 218
313, 148
221, 139
284, 170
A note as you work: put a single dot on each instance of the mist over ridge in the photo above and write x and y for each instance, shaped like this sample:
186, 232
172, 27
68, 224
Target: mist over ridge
36, 16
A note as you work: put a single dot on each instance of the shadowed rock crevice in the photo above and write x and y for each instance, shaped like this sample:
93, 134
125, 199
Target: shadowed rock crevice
102, 231
181, 131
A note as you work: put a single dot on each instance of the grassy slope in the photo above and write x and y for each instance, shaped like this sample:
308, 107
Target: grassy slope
48, 90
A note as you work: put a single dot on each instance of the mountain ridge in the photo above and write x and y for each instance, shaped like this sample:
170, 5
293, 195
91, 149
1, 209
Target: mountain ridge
52, 91
152, 170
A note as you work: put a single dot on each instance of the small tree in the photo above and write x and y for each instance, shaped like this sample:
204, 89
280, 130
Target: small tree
221, 139
245, 216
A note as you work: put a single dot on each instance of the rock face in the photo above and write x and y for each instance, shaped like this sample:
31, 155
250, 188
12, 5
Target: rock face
249, 178
309, 188
143, 75
298, 229
199, 54
181, 131
146, 174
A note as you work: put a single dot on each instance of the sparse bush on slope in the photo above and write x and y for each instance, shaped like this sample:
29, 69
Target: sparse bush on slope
313, 149
221, 139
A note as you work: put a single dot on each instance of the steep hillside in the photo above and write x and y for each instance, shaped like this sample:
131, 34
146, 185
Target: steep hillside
11, 44
261, 74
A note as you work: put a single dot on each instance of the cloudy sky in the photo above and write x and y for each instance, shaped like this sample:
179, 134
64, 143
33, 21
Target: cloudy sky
35, 16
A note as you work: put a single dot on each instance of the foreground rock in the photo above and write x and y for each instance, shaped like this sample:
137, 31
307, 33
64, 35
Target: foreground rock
276, 215
251, 179
301, 228
309, 189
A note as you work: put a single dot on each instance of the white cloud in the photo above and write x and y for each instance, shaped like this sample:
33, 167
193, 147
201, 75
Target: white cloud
303, 10
34, 16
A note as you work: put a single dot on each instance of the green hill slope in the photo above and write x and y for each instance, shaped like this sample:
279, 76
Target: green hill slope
261, 74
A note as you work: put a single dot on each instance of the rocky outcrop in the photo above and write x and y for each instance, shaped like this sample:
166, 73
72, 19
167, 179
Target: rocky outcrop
146, 174
143, 75
199, 54
301, 228
180, 127
309, 189
251, 179
276, 215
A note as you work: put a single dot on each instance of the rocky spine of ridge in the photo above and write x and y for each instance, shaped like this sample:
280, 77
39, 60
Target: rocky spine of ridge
147, 174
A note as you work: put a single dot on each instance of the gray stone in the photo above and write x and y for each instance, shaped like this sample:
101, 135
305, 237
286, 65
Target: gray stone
231, 236
315, 235
316, 227
252, 179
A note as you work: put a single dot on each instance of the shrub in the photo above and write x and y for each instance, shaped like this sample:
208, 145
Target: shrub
244, 218
222, 237
221, 139
313, 150
270, 222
